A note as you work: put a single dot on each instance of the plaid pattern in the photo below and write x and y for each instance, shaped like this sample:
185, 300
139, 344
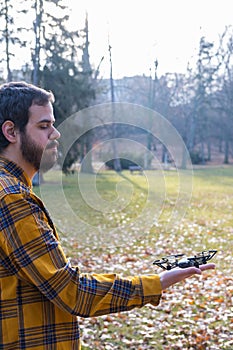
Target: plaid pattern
41, 293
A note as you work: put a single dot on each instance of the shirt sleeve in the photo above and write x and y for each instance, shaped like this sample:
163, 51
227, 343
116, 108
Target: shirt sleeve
31, 251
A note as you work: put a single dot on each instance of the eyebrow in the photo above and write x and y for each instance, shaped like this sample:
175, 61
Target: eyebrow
46, 121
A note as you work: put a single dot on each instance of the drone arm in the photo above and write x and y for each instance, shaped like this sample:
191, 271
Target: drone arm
160, 264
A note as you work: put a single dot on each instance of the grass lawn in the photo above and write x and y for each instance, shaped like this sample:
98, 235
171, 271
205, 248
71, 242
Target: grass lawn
121, 222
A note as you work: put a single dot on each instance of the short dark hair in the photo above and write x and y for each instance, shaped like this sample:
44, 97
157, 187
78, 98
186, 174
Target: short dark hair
15, 100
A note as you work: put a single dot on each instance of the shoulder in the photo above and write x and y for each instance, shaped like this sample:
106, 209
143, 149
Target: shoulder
11, 185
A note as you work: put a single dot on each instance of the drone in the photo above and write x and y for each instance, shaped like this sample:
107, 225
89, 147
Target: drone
181, 260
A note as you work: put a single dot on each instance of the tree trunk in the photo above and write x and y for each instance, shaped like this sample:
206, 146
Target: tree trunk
86, 164
7, 37
209, 151
226, 154
37, 31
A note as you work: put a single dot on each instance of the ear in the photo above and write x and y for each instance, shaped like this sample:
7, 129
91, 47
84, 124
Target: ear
8, 129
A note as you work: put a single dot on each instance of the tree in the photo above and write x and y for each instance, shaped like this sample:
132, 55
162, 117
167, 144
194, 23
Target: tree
196, 90
9, 36
37, 27
86, 139
223, 101
50, 18
70, 80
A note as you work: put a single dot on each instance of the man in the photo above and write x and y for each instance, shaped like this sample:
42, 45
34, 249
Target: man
41, 293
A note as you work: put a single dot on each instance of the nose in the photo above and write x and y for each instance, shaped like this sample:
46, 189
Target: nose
55, 134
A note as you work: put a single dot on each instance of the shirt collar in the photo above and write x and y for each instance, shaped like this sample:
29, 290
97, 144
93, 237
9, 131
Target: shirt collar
12, 168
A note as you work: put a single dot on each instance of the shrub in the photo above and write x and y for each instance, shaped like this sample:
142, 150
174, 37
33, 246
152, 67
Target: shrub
128, 159
195, 157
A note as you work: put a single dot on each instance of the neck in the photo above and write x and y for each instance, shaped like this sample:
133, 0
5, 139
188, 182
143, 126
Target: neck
19, 160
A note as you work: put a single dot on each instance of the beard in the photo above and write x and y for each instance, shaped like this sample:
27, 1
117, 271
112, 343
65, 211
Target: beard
40, 158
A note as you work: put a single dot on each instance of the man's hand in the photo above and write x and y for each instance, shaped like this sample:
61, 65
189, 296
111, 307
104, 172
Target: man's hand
168, 278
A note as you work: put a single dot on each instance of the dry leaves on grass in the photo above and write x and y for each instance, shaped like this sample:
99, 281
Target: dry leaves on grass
195, 314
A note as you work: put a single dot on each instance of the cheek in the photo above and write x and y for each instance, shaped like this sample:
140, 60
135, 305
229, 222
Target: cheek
41, 140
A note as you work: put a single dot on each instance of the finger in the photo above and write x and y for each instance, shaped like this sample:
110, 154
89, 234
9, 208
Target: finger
198, 270
192, 271
207, 267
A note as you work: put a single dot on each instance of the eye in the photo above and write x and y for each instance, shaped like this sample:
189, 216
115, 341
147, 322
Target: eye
44, 126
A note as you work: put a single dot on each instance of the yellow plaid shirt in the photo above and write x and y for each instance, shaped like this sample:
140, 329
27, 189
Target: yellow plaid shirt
41, 293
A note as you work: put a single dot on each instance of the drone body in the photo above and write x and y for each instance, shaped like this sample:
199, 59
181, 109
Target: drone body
183, 261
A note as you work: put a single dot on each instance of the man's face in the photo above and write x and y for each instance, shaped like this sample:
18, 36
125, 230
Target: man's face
38, 141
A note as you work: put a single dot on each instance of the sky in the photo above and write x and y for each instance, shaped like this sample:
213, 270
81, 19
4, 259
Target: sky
142, 31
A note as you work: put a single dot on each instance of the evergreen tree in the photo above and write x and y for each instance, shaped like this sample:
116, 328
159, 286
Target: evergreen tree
71, 82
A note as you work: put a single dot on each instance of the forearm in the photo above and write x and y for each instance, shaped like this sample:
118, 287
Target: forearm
99, 294
126, 293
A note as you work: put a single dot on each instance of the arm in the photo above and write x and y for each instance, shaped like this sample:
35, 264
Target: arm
30, 250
